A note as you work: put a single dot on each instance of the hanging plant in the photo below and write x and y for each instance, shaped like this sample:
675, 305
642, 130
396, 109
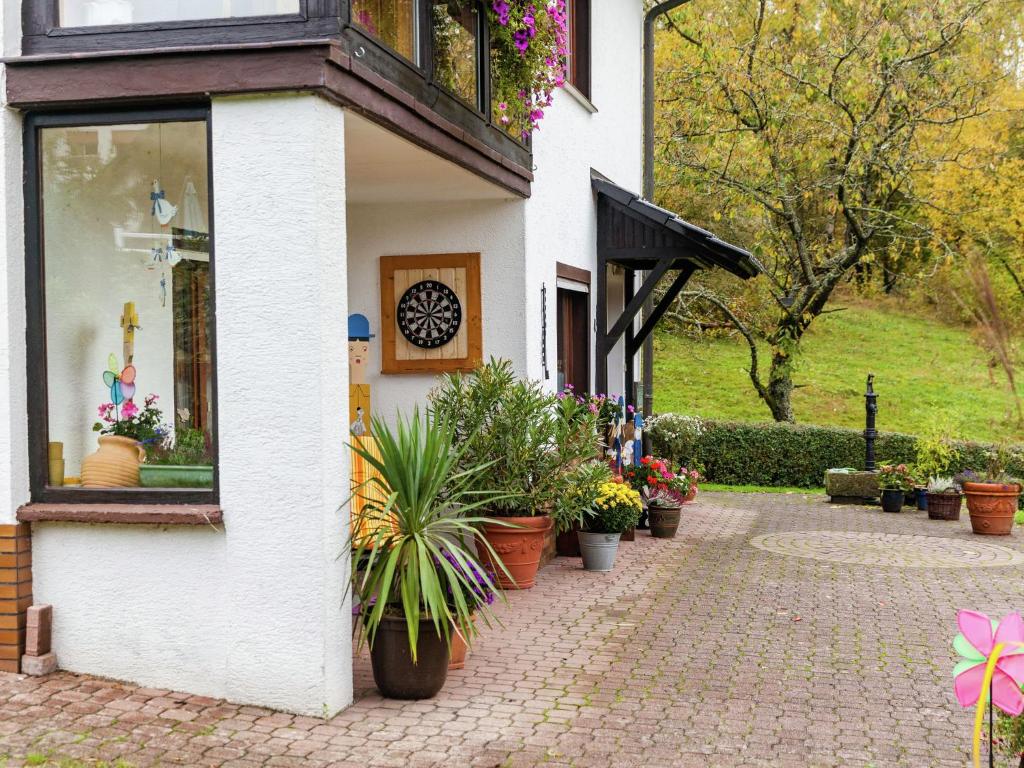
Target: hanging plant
529, 45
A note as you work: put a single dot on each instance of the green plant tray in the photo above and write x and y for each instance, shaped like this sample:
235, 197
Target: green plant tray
175, 476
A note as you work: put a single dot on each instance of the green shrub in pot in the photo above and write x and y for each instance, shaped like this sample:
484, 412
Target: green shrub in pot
413, 571
530, 440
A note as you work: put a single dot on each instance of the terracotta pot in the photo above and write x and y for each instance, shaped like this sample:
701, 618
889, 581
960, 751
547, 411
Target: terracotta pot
664, 522
394, 673
115, 464
628, 535
944, 506
991, 507
567, 543
519, 548
691, 495
460, 649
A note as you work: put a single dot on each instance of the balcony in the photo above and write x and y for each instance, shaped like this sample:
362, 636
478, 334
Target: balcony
419, 67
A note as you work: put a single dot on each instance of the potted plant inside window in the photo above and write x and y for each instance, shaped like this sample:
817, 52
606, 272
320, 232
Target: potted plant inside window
413, 574
124, 430
992, 497
181, 460
521, 433
894, 480
944, 499
616, 509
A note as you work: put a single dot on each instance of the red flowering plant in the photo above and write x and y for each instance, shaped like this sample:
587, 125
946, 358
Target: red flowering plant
128, 420
658, 485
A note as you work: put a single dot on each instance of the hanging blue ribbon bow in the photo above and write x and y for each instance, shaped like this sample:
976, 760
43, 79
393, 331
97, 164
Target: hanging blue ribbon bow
154, 196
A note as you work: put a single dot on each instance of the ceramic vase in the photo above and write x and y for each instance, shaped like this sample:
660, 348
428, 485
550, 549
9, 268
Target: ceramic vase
115, 464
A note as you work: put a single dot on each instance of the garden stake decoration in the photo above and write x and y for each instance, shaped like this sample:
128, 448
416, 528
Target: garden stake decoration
638, 437
121, 381
991, 670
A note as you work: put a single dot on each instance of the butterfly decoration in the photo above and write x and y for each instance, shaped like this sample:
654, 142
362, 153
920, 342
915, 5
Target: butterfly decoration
120, 380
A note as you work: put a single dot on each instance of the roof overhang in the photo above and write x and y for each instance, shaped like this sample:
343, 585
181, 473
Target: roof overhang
637, 234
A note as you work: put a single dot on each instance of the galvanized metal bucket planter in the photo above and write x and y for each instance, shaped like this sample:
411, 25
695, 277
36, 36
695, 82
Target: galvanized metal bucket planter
598, 550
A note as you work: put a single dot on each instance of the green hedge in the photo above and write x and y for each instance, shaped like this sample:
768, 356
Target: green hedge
773, 454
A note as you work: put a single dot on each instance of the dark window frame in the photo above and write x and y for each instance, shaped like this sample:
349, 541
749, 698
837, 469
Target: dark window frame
35, 302
580, 46
43, 34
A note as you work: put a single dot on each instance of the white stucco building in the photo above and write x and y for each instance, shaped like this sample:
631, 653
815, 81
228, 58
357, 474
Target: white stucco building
291, 146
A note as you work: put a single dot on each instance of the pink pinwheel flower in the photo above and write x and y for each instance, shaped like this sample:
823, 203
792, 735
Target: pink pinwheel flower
979, 635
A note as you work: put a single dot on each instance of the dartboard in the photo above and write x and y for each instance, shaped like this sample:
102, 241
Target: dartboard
429, 314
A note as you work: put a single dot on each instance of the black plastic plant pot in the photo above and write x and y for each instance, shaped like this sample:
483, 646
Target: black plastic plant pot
395, 674
892, 500
910, 498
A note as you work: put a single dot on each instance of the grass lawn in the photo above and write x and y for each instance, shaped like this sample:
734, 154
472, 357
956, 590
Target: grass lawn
925, 372
761, 489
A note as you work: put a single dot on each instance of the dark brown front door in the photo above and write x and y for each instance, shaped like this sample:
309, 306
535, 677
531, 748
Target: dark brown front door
573, 339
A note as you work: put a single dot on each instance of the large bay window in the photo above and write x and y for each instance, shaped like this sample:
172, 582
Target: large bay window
94, 13
121, 307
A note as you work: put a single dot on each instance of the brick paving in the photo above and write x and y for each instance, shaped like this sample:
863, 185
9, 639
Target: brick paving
702, 651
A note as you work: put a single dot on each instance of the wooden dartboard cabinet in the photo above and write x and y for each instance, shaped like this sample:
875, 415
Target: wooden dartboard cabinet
430, 309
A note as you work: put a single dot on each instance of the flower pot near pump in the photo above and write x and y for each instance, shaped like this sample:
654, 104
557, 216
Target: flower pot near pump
897, 486
992, 507
892, 499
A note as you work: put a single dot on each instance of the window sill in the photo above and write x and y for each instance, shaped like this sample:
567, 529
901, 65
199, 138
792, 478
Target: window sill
122, 514
586, 103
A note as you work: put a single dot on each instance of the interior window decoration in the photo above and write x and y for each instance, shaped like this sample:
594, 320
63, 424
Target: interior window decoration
125, 251
393, 22
529, 45
430, 313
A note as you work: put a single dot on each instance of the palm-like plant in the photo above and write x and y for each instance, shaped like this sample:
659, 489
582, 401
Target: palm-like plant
399, 566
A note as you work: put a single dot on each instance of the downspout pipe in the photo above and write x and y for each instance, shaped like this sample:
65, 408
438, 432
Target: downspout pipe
650, 19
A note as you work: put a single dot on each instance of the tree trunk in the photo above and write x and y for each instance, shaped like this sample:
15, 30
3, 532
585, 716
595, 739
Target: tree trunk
779, 392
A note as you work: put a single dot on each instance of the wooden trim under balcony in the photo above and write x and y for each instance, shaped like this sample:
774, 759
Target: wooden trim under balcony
188, 75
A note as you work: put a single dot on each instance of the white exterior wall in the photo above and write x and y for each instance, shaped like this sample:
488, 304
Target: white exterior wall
257, 611
14, 490
561, 214
494, 228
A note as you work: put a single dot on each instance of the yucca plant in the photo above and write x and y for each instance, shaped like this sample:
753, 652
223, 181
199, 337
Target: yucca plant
413, 559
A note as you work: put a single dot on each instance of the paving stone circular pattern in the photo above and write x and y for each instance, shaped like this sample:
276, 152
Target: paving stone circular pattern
898, 550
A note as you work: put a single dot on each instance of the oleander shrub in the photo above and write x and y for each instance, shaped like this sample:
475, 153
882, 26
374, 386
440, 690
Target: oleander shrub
735, 453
